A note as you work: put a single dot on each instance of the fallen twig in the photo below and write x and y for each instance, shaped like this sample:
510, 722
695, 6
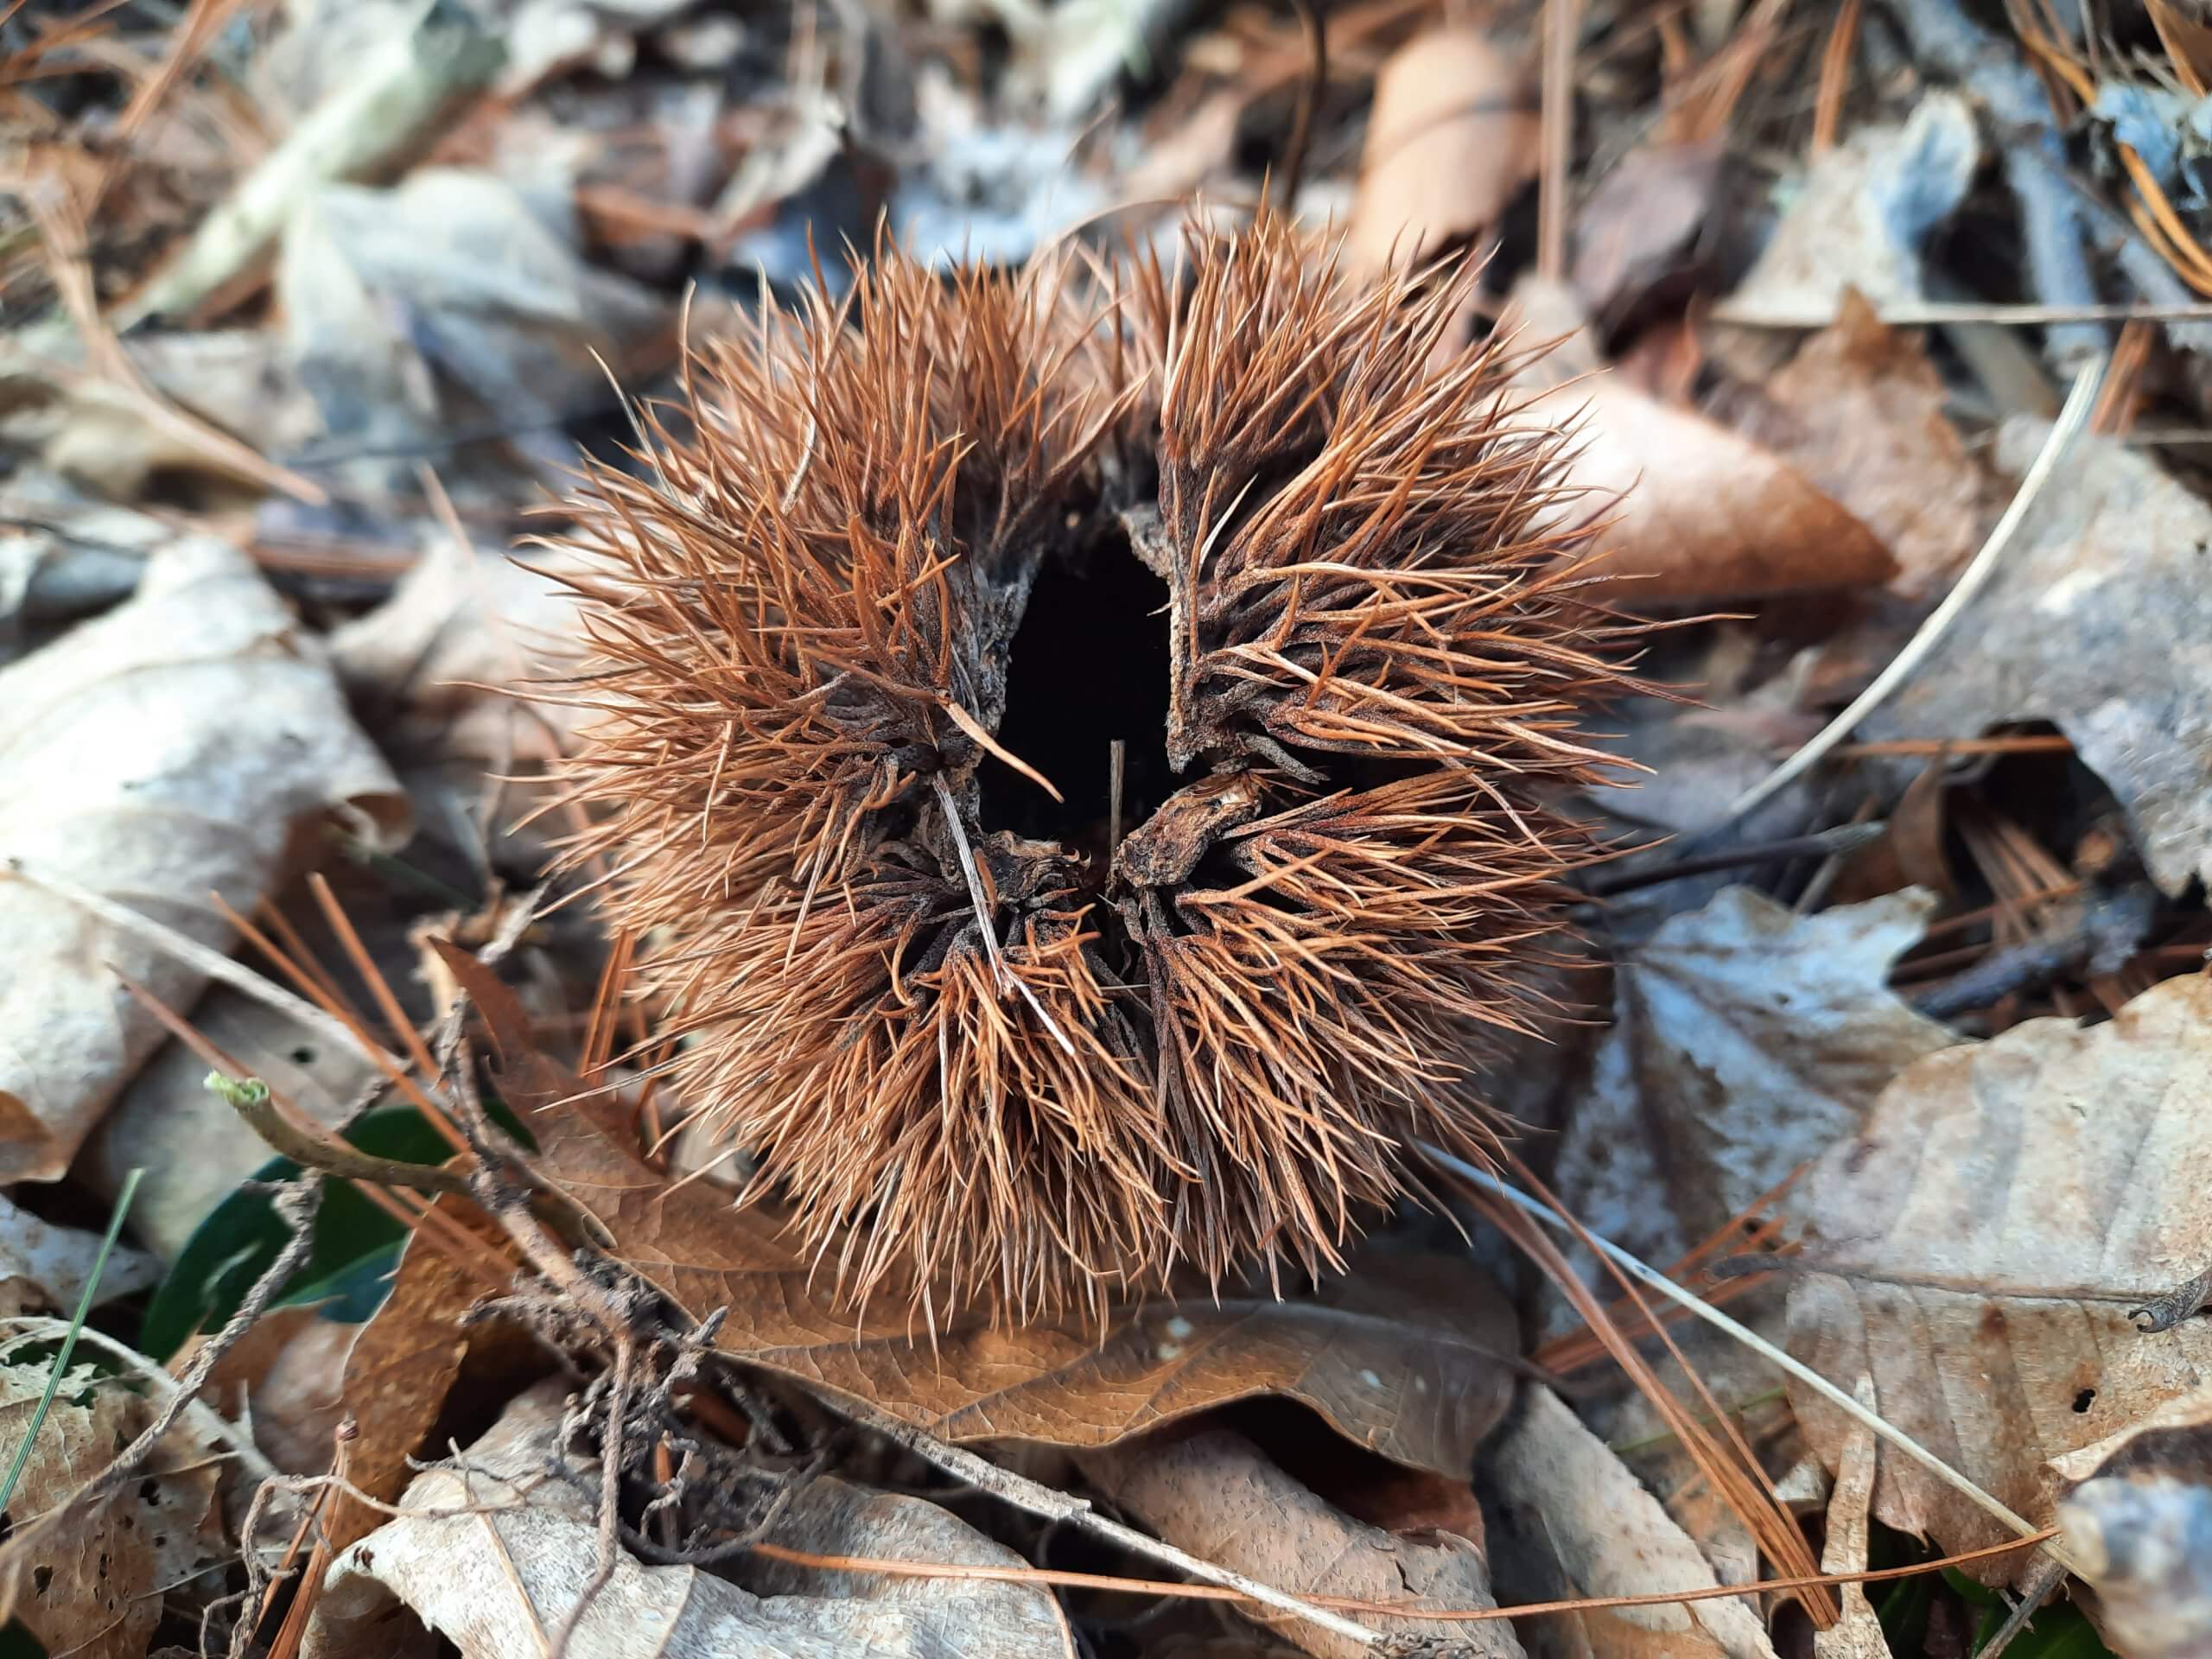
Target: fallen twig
1051, 1506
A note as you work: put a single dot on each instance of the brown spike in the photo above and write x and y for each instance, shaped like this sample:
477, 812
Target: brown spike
1227, 515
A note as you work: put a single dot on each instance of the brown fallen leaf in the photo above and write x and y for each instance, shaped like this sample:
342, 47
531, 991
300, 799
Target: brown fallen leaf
1567, 1519
97, 1594
2096, 620
1979, 1247
286, 1377
1218, 1496
167, 748
2137, 1513
1859, 411
494, 1557
1408, 1356
1693, 511
396, 1375
1642, 219
1453, 134
1745, 1040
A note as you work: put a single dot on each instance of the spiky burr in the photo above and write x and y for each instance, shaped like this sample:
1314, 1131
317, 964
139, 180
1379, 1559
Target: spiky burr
908, 555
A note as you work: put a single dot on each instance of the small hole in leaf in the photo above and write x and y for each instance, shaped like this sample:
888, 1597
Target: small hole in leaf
2084, 1399
303, 1055
150, 1490
40, 1577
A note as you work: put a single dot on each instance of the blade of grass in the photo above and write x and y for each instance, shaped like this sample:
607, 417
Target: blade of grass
69, 1342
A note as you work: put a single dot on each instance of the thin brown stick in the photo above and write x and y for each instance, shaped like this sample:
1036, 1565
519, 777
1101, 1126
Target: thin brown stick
1041, 1500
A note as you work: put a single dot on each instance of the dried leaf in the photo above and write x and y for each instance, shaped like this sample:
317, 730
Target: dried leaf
1980, 1246
497, 299
1406, 1356
95, 1591
43, 1266
1570, 1520
2097, 622
63, 559
286, 1377
195, 1149
1858, 1634
497, 1557
1642, 219
1692, 510
2139, 1515
396, 1375
1453, 134
1859, 216
462, 619
1860, 411
1745, 1040
167, 748
1218, 1497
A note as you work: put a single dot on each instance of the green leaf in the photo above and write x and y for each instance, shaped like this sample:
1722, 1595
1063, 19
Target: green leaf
2059, 1632
355, 1291
242, 1234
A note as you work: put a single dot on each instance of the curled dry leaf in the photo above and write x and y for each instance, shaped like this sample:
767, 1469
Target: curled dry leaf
62, 558
1860, 411
1693, 511
1859, 218
497, 299
1218, 1497
1746, 1039
1569, 1519
169, 748
1979, 1248
286, 1377
1453, 134
2097, 622
2140, 1520
496, 1554
94, 1590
